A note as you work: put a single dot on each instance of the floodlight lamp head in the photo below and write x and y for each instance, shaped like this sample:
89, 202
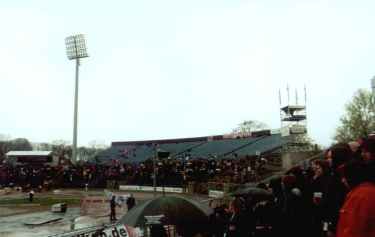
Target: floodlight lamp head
76, 47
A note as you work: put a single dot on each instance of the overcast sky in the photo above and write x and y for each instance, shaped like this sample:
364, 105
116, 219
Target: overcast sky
166, 69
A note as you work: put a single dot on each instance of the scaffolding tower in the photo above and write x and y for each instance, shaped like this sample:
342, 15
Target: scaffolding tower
293, 120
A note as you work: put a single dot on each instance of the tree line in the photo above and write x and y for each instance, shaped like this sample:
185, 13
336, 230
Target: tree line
60, 148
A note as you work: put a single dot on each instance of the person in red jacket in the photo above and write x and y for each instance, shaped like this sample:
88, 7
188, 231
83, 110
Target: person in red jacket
357, 216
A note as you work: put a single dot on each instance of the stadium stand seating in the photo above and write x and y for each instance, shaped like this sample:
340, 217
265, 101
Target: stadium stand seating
194, 148
267, 143
220, 147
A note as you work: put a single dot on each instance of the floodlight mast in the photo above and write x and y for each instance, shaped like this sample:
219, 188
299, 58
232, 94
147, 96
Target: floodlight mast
76, 49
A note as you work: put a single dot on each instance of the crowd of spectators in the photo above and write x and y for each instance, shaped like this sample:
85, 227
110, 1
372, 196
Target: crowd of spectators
170, 172
334, 197
331, 197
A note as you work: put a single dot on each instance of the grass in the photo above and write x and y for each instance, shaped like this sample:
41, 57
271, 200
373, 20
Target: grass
43, 201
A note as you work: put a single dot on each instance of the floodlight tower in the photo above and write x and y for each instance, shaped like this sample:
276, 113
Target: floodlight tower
76, 49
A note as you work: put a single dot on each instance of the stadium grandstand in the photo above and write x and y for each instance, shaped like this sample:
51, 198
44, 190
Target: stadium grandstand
210, 147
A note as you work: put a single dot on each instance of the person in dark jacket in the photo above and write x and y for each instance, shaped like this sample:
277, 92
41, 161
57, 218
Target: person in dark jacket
368, 149
157, 231
277, 189
317, 188
112, 215
236, 226
130, 202
337, 156
31, 195
294, 216
218, 219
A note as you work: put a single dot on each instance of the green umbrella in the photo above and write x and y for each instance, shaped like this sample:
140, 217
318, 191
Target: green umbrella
187, 215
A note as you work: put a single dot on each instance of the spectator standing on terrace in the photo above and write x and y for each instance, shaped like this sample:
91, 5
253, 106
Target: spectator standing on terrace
217, 221
356, 149
157, 230
294, 210
237, 223
368, 149
318, 187
357, 216
337, 156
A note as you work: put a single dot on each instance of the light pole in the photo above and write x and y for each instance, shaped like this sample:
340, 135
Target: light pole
154, 164
75, 49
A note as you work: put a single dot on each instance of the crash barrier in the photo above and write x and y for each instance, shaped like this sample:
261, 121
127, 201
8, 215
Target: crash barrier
150, 189
212, 189
5, 191
119, 230
224, 187
113, 184
215, 194
100, 206
204, 188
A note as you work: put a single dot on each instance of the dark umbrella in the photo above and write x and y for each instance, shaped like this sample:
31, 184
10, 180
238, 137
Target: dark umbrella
246, 185
187, 215
254, 192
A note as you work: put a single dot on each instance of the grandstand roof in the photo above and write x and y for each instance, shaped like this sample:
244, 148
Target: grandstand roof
166, 141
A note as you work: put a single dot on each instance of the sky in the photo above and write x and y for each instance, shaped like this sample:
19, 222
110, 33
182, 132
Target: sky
170, 69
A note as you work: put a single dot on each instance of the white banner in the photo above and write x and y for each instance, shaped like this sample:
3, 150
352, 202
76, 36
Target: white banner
149, 188
114, 231
173, 190
130, 188
215, 194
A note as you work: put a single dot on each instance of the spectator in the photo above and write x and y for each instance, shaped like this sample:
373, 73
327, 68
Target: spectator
334, 197
368, 149
218, 220
31, 195
318, 188
112, 203
236, 226
357, 216
130, 202
294, 210
157, 230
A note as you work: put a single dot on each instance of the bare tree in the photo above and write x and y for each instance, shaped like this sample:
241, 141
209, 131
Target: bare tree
247, 127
